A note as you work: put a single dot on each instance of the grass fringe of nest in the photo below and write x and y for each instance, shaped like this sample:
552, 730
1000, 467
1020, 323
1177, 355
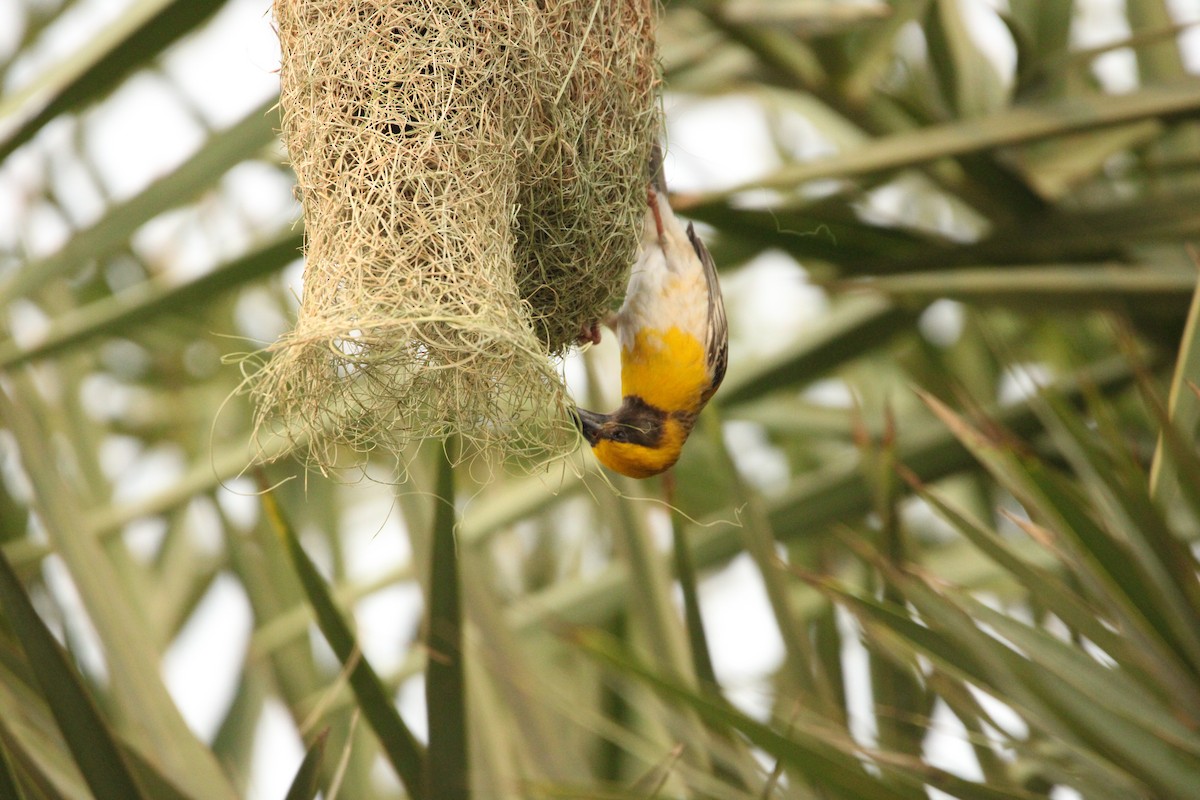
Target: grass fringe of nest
472, 176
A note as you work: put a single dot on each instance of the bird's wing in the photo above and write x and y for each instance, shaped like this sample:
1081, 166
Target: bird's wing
717, 345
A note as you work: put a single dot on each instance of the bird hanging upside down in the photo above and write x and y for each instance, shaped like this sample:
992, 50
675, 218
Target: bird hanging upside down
674, 346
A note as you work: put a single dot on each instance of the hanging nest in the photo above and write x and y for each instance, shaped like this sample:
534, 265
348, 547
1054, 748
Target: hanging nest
472, 176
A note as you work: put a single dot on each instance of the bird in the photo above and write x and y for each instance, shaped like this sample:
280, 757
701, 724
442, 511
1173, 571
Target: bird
674, 341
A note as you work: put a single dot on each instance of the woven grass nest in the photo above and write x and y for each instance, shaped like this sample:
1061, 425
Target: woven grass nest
472, 175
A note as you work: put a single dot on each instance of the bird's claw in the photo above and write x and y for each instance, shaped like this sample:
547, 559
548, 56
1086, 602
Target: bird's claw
588, 334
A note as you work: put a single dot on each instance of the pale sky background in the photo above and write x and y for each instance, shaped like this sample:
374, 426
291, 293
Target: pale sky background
227, 70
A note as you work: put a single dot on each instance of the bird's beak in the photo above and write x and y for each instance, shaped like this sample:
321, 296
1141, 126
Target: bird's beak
589, 424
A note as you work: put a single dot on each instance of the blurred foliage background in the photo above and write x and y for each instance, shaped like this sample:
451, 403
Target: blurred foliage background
896, 568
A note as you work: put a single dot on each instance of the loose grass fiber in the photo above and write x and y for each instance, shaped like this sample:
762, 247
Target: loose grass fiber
472, 175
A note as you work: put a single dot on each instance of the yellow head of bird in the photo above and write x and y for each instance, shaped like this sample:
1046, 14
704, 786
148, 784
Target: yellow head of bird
637, 439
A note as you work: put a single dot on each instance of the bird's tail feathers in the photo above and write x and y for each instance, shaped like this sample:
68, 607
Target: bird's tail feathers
657, 179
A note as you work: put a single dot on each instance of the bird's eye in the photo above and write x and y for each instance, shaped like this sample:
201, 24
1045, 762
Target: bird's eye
619, 435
